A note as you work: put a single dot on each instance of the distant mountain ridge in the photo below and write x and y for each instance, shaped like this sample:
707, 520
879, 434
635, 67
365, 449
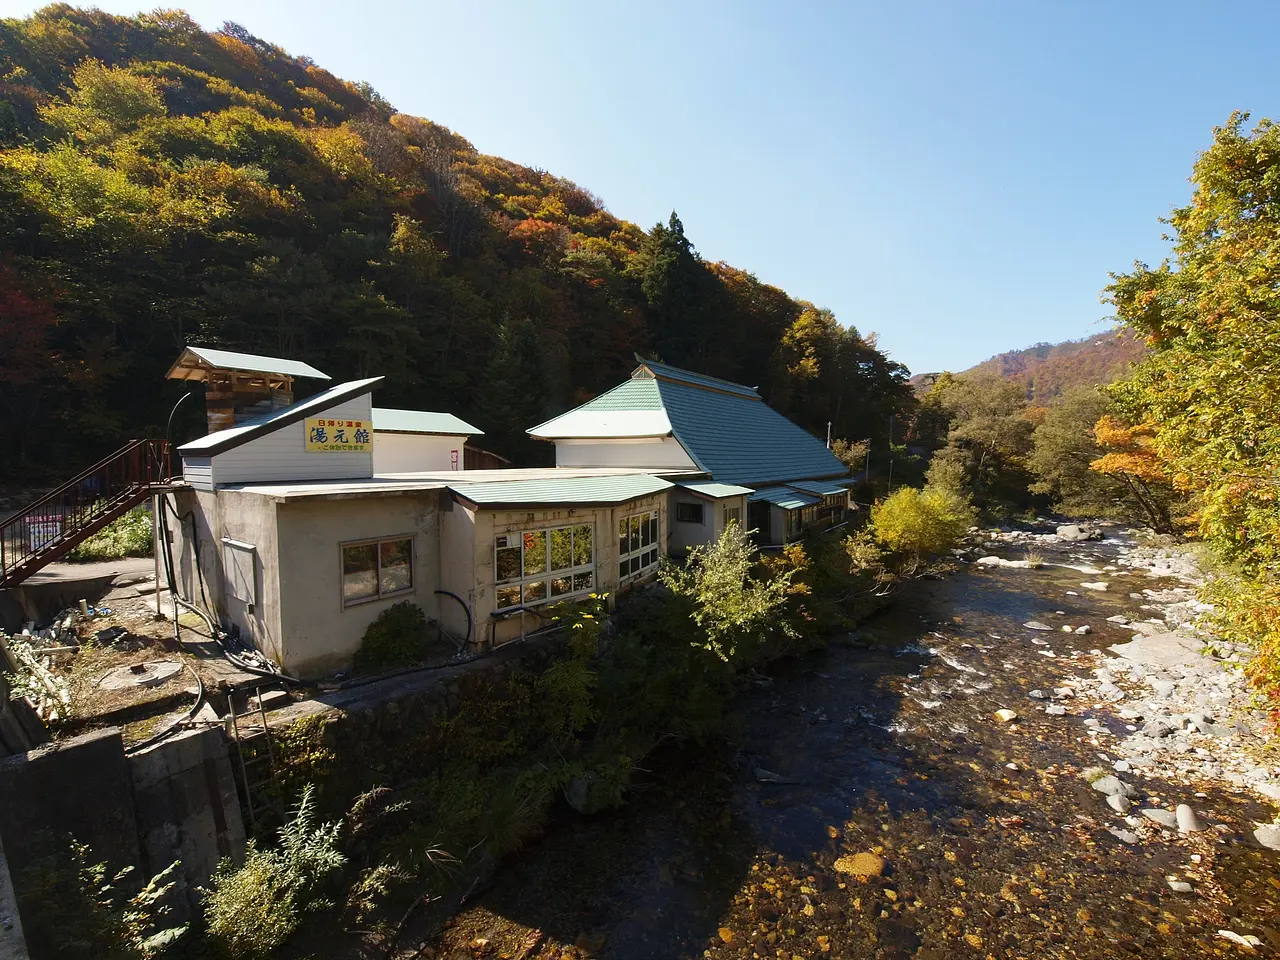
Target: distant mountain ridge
1050, 369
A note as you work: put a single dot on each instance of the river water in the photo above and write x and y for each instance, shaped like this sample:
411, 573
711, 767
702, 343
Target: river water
992, 844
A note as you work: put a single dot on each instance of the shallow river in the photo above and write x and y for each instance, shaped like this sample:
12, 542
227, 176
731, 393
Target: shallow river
991, 842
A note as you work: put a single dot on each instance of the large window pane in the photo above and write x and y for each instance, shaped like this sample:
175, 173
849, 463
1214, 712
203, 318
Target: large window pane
582, 581
622, 535
635, 534
653, 528
359, 572
535, 552
562, 548
508, 597
561, 585
582, 546
533, 592
644, 529
508, 564
396, 565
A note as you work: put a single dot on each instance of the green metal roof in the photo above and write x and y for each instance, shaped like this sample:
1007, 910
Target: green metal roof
561, 490
740, 439
823, 488
726, 428
390, 420
709, 488
785, 497
251, 363
663, 370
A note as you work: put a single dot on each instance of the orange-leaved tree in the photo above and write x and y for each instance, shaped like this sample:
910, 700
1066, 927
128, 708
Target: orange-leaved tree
1131, 458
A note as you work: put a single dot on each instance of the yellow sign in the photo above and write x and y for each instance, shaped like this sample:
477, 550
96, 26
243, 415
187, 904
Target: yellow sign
326, 435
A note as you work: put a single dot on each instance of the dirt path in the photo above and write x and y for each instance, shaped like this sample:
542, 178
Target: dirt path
873, 806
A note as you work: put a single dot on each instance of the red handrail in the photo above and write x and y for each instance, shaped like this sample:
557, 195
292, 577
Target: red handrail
53, 524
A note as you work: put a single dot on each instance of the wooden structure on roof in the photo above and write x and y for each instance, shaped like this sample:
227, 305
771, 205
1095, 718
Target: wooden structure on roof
240, 386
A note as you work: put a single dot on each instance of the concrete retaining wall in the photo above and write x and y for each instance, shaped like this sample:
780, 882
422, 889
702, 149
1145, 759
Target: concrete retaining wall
173, 801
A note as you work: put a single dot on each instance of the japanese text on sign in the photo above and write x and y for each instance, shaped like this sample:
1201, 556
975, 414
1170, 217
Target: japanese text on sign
326, 435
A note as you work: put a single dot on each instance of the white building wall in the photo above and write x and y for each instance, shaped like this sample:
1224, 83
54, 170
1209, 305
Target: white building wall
320, 634
686, 534
412, 452
283, 455
658, 453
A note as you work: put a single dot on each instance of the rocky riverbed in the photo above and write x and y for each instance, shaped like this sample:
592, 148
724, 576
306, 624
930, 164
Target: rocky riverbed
1019, 761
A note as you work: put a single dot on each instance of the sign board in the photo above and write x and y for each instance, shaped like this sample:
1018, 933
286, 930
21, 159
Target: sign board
325, 435
453, 459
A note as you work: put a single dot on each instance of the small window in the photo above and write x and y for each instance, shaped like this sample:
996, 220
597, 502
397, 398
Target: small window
376, 569
732, 515
689, 512
638, 543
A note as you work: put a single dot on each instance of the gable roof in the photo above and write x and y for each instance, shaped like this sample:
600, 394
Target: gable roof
389, 420
726, 428
195, 362
224, 440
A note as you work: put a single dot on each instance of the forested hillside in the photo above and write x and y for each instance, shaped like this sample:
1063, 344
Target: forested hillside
1049, 370
161, 185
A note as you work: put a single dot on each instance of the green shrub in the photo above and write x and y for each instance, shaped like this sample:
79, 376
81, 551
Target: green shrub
253, 909
398, 638
731, 603
126, 536
72, 907
919, 524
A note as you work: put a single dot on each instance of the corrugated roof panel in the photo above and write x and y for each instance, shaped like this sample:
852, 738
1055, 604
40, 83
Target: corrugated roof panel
709, 488
741, 440
223, 440
697, 379
785, 497
421, 421
823, 488
561, 490
229, 360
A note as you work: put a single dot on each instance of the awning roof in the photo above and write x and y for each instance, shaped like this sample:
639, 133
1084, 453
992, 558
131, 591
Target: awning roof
822, 488
712, 489
389, 420
196, 362
583, 491
785, 497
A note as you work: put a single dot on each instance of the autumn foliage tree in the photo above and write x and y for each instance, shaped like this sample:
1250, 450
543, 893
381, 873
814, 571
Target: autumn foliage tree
1130, 457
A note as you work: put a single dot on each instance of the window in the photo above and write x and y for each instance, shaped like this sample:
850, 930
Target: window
238, 562
689, 512
798, 520
535, 566
637, 544
373, 569
732, 515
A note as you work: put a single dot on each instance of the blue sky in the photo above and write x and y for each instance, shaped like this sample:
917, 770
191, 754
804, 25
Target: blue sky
959, 177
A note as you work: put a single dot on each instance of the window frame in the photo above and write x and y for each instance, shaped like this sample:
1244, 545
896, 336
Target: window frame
548, 573
732, 515
690, 506
643, 549
377, 543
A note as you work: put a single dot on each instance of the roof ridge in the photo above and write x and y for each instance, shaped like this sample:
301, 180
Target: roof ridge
692, 373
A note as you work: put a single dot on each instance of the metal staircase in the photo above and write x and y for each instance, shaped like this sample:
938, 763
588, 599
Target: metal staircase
49, 528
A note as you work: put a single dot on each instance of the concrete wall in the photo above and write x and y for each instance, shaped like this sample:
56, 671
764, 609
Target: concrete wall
282, 454
663, 453
486, 524
174, 801
320, 635
186, 804
411, 452
249, 518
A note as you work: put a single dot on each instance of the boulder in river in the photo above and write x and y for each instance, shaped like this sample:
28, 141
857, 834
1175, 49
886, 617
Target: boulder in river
1036, 625
1166, 818
1006, 715
860, 865
1268, 834
1095, 585
1113, 786
1188, 822
1078, 531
